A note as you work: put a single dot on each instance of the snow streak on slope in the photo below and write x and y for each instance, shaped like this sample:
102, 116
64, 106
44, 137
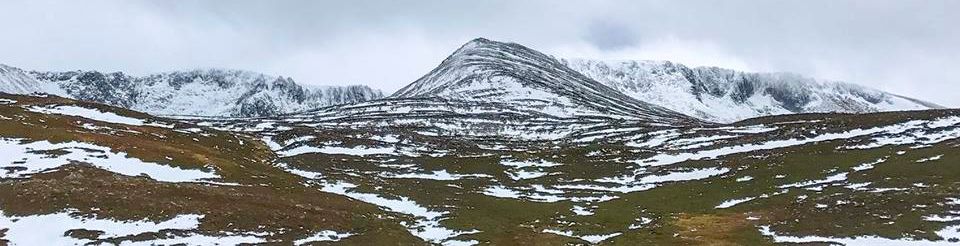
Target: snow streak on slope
54, 229
723, 95
92, 114
23, 158
427, 225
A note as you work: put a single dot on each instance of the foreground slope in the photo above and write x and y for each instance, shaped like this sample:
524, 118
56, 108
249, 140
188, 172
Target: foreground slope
83, 173
724, 95
882, 178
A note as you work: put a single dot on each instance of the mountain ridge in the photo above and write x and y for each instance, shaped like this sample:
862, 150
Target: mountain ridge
202, 92
485, 71
727, 95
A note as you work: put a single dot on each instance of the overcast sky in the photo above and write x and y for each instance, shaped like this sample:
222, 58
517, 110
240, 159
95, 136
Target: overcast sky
905, 47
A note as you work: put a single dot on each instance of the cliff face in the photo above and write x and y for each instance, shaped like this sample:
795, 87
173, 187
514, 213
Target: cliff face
211, 92
724, 95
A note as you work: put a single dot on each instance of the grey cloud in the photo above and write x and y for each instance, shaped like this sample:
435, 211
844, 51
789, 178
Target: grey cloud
610, 35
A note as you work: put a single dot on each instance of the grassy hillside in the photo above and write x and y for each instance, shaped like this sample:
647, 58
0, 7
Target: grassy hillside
867, 179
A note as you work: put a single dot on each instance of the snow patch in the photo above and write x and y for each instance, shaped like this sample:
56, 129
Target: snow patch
947, 233
427, 225
323, 236
333, 150
49, 229
87, 113
932, 158
594, 239
734, 202
25, 156
442, 175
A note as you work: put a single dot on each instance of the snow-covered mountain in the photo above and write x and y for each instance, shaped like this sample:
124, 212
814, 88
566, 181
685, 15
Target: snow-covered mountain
489, 71
211, 92
499, 77
724, 95
494, 89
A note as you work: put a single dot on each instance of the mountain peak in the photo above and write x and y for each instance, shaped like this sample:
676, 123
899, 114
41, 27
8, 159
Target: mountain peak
483, 70
479, 41
482, 47
482, 43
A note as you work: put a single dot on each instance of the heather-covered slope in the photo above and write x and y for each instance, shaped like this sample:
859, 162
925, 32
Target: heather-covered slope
880, 178
75, 172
